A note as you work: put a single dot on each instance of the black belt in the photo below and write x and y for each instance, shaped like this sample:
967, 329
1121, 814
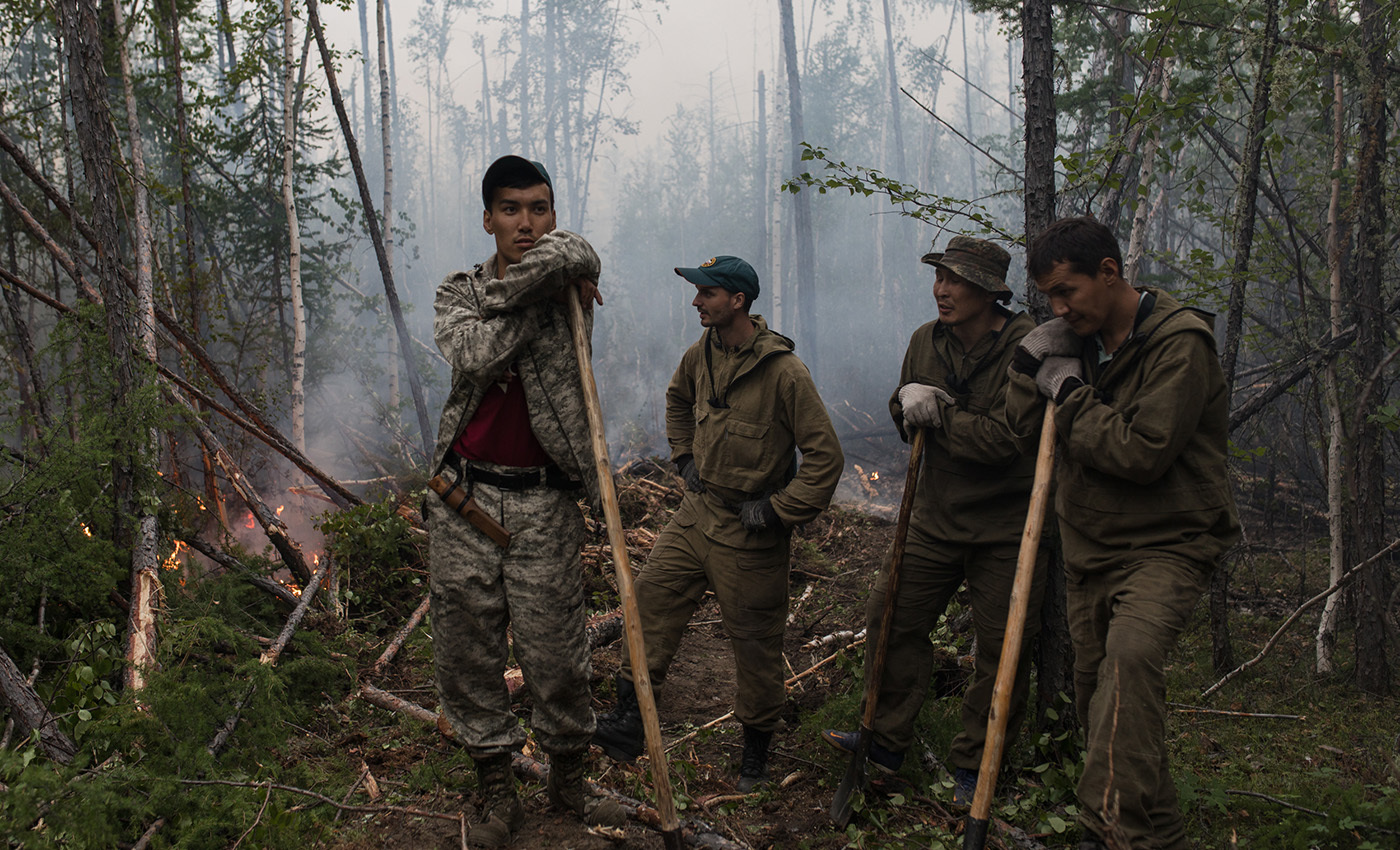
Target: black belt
550, 476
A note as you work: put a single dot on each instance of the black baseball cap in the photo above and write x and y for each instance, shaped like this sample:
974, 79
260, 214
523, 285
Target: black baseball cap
513, 172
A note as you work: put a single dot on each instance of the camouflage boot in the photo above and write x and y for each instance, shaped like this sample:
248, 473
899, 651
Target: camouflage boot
501, 812
568, 791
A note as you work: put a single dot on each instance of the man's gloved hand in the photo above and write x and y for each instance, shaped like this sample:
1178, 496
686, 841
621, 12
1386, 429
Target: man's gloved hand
1059, 376
1051, 339
920, 403
758, 515
685, 465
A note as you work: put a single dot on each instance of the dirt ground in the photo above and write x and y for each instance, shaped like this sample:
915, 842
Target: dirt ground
835, 561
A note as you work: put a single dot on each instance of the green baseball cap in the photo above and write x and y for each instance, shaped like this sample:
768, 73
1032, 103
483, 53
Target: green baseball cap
512, 172
977, 261
726, 272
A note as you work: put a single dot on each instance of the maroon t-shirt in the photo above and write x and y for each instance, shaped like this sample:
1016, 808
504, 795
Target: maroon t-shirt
499, 432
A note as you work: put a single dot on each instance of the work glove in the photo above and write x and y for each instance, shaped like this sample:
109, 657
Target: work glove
1059, 376
758, 515
921, 408
1053, 338
685, 465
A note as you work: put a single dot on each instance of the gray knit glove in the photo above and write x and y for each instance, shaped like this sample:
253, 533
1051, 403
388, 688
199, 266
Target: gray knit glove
1059, 376
920, 405
1053, 338
758, 515
685, 465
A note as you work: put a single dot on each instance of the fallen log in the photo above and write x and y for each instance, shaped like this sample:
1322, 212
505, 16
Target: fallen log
223, 559
307, 595
397, 643
30, 713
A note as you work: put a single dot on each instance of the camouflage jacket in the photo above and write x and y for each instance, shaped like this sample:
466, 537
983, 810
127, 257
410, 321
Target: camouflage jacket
975, 483
1142, 467
484, 324
742, 414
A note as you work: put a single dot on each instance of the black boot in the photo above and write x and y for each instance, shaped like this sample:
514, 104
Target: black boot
620, 732
753, 768
501, 812
568, 790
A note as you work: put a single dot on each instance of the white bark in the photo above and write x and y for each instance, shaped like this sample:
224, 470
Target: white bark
384, 134
289, 205
1161, 71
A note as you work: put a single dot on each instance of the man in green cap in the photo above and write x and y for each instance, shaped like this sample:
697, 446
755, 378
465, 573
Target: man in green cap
1144, 504
969, 509
514, 455
738, 407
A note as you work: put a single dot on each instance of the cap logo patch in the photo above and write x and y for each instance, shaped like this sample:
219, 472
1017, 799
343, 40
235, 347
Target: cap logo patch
708, 263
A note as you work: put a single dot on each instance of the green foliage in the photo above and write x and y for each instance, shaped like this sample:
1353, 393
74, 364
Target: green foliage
84, 690
379, 562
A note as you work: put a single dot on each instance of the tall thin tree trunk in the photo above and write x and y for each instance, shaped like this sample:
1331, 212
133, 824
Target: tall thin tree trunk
391, 293
523, 69
763, 201
386, 127
1246, 203
582, 206
146, 591
362, 7
289, 207
892, 73
1054, 656
1325, 643
805, 272
967, 105
1160, 74
551, 118
1371, 597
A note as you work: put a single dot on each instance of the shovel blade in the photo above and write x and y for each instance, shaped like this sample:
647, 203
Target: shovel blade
853, 781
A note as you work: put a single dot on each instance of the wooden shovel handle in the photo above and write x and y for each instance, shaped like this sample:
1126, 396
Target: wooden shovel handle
641, 678
1015, 628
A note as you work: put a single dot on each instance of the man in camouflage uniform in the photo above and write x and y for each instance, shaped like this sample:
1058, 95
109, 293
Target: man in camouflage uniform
737, 408
1144, 504
969, 509
514, 434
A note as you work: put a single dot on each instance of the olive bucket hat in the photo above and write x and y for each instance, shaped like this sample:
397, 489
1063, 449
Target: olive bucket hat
976, 261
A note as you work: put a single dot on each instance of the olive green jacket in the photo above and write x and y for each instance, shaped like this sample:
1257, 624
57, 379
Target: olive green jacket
483, 324
1142, 446
975, 482
742, 414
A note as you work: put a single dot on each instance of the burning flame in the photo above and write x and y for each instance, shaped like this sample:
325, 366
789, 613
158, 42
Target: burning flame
173, 562
316, 559
296, 591
875, 476
251, 523
86, 530
280, 508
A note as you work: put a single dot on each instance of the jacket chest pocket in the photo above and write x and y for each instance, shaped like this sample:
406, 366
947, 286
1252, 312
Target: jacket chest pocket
732, 450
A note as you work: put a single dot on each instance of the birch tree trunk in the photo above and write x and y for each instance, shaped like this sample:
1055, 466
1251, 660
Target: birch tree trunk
1325, 642
523, 64
1137, 241
386, 145
146, 591
805, 272
1246, 198
289, 206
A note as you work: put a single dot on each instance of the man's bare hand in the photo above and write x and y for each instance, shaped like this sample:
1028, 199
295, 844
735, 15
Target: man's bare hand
587, 291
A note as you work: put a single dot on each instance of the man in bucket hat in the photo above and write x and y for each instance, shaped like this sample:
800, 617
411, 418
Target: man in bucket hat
969, 508
738, 407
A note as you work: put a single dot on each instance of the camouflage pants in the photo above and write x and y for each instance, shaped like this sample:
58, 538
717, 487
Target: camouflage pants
931, 573
751, 586
536, 588
1124, 623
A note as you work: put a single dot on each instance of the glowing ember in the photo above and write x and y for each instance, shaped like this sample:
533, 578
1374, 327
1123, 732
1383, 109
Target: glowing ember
86, 530
280, 508
315, 559
875, 476
296, 591
251, 523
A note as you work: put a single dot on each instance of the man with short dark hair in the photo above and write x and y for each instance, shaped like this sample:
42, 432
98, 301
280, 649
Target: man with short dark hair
1144, 505
513, 456
738, 407
969, 509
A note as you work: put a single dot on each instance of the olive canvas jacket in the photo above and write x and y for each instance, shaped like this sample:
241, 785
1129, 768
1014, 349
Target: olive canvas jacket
1143, 446
976, 482
742, 413
483, 324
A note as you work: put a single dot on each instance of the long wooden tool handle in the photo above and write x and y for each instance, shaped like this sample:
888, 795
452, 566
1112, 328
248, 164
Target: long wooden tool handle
901, 534
641, 677
975, 836
841, 805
